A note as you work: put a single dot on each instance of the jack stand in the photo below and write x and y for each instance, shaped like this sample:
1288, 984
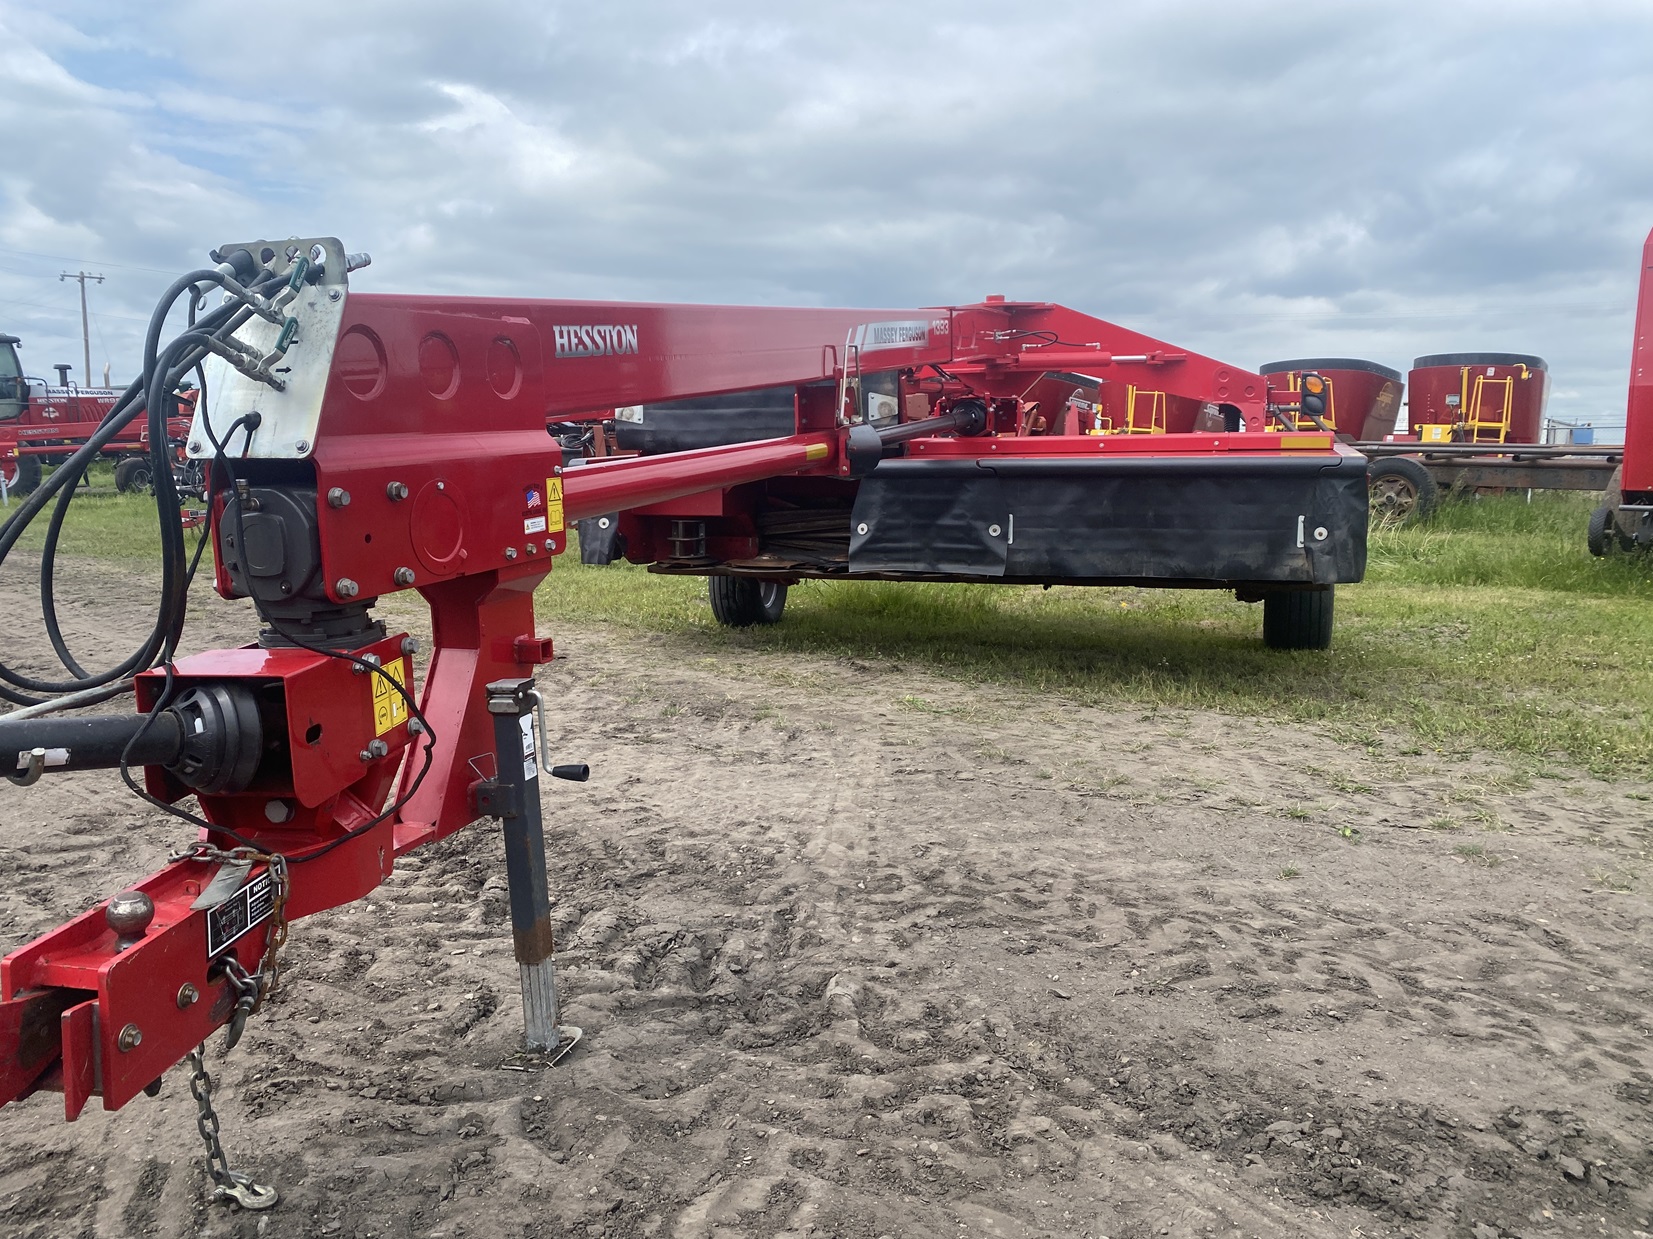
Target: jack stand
513, 797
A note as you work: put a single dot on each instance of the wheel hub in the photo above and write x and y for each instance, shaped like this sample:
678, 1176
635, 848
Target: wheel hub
1393, 497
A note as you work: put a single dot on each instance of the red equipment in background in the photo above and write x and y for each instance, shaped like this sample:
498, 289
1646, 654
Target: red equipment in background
357, 445
1363, 399
1491, 398
1476, 420
1458, 437
41, 424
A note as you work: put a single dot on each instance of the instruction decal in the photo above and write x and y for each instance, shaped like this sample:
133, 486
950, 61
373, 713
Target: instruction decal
249, 906
530, 758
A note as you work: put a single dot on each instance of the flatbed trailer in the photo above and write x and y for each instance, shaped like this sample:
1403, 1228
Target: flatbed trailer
1407, 477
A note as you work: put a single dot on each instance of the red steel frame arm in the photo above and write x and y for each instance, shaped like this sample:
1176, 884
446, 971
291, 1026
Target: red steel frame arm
1005, 342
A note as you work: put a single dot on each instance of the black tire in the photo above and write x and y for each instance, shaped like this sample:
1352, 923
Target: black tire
1599, 536
1298, 619
1400, 490
1619, 529
22, 474
740, 602
133, 475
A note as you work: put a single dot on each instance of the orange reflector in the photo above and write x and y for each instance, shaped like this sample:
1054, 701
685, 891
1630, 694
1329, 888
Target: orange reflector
817, 451
1305, 442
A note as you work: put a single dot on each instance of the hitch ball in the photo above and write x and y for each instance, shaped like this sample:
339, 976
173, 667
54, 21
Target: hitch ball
129, 914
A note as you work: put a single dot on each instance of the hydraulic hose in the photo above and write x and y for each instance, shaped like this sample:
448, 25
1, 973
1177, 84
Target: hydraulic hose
152, 396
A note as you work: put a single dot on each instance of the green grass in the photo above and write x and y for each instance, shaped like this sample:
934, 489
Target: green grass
1489, 627
102, 524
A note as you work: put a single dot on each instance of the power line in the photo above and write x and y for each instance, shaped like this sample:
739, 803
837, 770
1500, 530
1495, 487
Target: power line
1339, 316
125, 266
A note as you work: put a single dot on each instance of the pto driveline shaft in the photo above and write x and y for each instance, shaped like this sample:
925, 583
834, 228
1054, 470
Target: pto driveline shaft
92, 743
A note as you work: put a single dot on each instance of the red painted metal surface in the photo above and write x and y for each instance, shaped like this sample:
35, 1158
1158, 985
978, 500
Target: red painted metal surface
1251, 443
1363, 397
139, 986
68, 409
477, 624
1638, 421
1485, 397
608, 485
550, 356
329, 720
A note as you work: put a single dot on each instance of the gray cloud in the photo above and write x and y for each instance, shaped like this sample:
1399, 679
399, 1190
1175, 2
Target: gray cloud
1254, 181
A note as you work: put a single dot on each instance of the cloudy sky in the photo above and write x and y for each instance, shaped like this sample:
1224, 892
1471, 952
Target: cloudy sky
1253, 180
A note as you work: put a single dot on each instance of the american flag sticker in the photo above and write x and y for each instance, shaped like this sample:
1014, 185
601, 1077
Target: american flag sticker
533, 518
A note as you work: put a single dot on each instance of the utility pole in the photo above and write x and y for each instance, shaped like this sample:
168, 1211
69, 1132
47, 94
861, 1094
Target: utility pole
85, 329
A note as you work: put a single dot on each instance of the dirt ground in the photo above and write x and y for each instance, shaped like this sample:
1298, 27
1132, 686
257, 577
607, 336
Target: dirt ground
862, 952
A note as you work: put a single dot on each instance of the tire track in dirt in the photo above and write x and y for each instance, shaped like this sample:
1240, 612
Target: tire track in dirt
860, 952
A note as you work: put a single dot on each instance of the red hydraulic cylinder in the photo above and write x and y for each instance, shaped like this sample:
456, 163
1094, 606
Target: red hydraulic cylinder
628, 482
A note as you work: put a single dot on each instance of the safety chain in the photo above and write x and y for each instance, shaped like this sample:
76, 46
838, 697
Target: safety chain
250, 991
268, 976
227, 1184
269, 967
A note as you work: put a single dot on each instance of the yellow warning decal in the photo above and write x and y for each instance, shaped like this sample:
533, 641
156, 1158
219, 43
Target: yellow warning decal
817, 451
1302, 442
390, 708
553, 505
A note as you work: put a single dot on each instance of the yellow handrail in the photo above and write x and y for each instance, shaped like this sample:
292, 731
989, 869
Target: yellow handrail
1156, 412
1498, 428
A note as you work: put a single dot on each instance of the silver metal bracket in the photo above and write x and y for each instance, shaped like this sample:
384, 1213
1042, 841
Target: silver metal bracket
278, 363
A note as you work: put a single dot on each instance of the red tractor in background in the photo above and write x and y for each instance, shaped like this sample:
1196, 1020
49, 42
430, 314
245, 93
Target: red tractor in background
41, 425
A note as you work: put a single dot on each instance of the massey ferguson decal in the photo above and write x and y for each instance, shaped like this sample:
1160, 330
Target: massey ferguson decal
907, 333
596, 340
